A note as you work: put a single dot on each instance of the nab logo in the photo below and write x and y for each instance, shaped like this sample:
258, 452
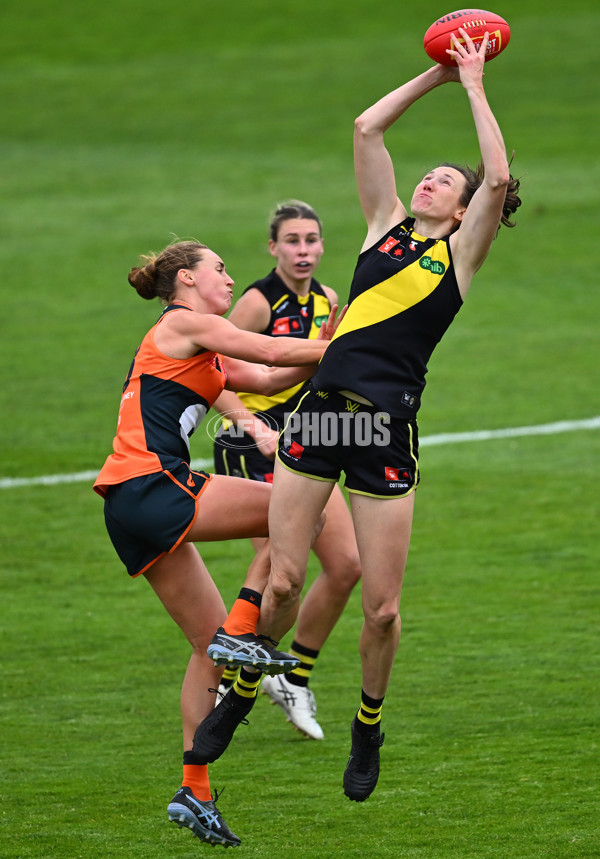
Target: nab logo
287, 325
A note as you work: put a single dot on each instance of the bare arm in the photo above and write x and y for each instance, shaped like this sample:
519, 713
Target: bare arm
373, 166
268, 380
471, 242
182, 335
260, 379
253, 313
230, 406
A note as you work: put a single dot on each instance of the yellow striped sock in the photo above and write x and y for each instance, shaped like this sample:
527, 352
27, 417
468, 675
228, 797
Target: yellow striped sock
246, 685
369, 713
229, 675
307, 658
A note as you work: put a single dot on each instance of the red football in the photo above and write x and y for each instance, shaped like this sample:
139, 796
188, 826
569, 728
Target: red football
476, 22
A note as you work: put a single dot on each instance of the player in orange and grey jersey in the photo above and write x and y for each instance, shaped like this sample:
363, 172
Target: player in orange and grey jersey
156, 506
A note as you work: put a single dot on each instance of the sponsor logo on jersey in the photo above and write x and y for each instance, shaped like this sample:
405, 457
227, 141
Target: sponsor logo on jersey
287, 325
389, 243
392, 248
432, 265
319, 320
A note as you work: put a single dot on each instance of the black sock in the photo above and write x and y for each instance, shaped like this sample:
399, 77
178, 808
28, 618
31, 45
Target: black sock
192, 758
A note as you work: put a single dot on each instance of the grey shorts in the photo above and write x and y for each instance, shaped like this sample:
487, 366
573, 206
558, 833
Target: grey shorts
147, 517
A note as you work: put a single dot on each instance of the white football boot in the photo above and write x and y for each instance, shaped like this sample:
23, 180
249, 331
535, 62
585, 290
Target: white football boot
297, 702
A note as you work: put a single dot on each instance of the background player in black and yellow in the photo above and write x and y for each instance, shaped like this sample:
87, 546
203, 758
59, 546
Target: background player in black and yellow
290, 302
411, 278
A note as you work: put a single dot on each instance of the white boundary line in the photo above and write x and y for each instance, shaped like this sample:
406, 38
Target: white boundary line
441, 438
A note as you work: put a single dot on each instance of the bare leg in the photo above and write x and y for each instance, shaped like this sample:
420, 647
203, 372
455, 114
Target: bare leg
383, 529
182, 583
294, 513
228, 508
326, 599
231, 508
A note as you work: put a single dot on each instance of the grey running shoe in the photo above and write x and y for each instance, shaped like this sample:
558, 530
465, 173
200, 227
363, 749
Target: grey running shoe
214, 734
254, 651
297, 702
202, 817
362, 769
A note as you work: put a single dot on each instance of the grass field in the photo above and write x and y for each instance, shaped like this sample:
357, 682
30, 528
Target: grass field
128, 122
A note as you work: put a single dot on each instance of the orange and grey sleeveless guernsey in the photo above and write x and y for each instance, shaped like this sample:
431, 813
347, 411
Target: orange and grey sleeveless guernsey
164, 400
292, 316
403, 297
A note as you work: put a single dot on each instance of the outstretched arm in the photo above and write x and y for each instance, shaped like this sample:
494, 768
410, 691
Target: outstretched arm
254, 378
373, 166
471, 243
182, 335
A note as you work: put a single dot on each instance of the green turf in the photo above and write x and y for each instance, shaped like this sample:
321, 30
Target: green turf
125, 123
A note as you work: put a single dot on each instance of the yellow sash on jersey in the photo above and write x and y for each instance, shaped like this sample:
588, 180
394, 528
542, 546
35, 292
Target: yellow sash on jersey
399, 292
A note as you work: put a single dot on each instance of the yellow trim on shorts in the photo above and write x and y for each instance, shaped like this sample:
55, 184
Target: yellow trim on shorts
300, 401
383, 497
224, 459
242, 464
304, 474
244, 469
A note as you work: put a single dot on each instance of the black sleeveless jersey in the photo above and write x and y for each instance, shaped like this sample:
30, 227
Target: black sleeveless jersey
291, 316
402, 299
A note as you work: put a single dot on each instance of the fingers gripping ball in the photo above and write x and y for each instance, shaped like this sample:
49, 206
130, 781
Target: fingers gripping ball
475, 22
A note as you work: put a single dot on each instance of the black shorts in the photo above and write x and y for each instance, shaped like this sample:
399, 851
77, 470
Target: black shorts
330, 433
147, 517
245, 461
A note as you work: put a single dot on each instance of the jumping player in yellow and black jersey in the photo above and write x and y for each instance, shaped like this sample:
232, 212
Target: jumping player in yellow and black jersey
290, 302
359, 414
403, 297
